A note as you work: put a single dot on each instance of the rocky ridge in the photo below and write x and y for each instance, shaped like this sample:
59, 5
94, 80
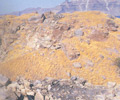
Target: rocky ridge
52, 89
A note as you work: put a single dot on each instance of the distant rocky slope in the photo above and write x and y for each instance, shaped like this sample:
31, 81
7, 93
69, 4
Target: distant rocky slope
111, 7
83, 44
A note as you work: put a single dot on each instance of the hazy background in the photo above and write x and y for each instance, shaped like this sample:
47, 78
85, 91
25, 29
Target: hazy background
8, 6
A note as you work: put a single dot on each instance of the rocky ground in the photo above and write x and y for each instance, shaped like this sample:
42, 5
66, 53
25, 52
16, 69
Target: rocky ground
52, 89
83, 44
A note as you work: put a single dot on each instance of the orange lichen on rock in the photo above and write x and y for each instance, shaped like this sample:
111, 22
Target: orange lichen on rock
95, 57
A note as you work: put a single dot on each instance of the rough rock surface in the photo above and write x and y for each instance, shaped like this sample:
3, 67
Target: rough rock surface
3, 80
79, 32
62, 89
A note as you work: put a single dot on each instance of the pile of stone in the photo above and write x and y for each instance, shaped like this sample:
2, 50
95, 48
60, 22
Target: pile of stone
52, 89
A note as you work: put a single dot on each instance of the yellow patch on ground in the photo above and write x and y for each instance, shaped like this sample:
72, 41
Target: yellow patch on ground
38, 64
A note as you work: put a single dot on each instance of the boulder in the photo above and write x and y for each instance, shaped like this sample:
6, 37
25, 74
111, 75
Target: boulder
70, 51
79, 32
4, 80
77, 65
13, 86
31, 93
6, 94
23, 91
89, 63
73, 55
39, 96
111, 84
74, 78
111, 25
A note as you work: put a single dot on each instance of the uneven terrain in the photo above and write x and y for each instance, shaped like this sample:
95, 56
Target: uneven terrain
52, 89
83, 44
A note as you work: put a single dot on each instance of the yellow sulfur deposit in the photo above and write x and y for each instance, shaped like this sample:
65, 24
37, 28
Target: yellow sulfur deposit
46, 62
